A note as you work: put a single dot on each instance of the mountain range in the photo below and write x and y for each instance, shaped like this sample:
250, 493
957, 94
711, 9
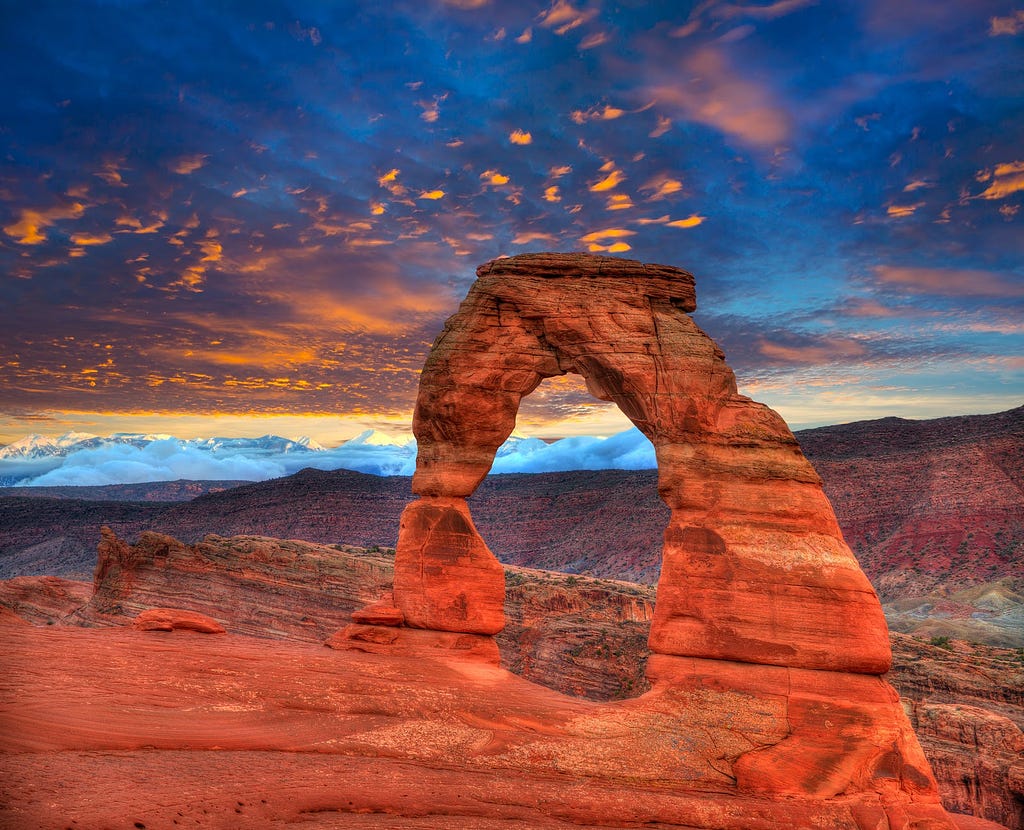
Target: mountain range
78, 459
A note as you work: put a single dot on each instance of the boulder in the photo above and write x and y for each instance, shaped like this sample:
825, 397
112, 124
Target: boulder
176, 619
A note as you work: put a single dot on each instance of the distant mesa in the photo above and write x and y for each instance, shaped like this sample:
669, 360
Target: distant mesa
760, 604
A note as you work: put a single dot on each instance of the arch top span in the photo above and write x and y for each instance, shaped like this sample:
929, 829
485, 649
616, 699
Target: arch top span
662, 281
619, 323
754, 566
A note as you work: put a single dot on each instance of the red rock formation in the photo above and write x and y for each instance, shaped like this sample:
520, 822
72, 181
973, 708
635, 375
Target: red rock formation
257, 586
446, 578
754, 566
759, 597
175, 619
43, 599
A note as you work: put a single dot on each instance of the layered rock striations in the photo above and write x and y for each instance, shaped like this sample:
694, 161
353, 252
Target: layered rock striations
761, 607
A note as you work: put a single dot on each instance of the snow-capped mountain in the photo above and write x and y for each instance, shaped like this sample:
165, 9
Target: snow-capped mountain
265, 443
78, 459
40, 446
375, 438
47, 446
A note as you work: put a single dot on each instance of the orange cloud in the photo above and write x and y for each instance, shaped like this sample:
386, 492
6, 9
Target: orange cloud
827, 351
520, 137
661, 186
609, 233
28, 230
710, 92
663, 126
433, 195
127, 221
189, 164
903, 210
862, 307
594, 40
1006, 179
609, 182
563, 17
90, 239
614, 248
494, 177
605, 113
527, 237
432, 109
949, 282
111, 175
212, 250
618, 201
1012, 24
917, 184
689, 222
389, 181
551, 194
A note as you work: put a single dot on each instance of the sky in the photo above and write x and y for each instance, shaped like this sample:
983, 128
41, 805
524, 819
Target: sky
240, 218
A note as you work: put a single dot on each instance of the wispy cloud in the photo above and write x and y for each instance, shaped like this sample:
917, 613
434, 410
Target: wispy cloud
819, 353
1005, 180
1011, 24
948, 282
30, 227
563, 17
707, 89
186, 165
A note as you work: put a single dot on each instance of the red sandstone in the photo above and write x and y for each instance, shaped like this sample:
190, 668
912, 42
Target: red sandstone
175, 619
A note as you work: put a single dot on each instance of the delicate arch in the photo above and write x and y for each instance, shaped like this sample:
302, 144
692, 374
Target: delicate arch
754, 566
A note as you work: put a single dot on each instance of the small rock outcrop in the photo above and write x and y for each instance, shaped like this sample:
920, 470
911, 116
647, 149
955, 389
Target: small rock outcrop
176, 619
762, 612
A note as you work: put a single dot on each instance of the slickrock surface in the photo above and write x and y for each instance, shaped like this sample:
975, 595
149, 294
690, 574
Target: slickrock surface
43, 600
113, 727
577, 635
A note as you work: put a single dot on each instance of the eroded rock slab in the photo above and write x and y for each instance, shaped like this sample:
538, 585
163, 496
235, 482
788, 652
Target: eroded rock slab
232, 731
578, 635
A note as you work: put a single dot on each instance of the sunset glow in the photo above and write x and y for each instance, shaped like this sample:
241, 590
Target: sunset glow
257, 220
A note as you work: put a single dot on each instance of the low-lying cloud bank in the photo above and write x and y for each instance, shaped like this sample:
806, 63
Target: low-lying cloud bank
170, 459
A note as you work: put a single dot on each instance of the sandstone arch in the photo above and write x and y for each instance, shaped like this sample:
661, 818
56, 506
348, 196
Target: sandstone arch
754, 570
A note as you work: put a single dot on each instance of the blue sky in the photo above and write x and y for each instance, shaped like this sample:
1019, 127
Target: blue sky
239, 218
